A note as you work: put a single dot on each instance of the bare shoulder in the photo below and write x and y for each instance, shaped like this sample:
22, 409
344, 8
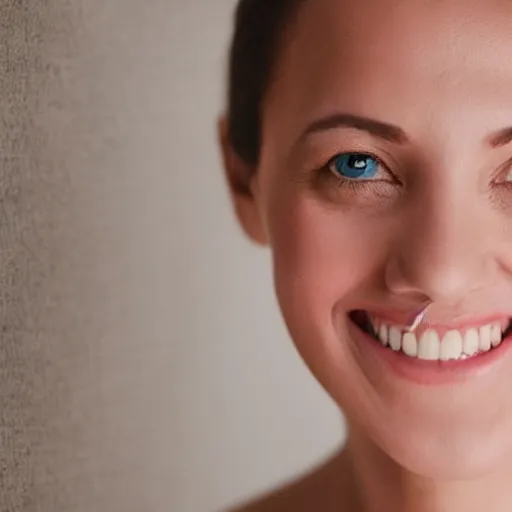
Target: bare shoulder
319, 490
290, 497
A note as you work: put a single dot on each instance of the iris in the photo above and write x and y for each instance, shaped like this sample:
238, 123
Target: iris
355, 166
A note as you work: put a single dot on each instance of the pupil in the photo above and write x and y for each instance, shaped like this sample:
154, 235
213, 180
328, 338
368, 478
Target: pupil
357, 161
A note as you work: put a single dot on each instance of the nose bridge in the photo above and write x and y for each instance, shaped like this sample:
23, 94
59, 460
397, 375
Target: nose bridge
441, 252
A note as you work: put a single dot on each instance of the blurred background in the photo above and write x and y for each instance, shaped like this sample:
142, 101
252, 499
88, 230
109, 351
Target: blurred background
144, 363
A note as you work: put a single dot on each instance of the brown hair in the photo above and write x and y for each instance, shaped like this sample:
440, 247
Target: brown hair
258, 27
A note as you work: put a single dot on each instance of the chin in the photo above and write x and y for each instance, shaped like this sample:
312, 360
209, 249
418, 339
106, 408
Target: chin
453, 455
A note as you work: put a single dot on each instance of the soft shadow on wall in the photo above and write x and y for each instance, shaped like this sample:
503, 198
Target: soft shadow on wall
145, 364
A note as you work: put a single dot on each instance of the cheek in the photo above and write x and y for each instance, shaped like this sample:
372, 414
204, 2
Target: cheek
325, 262
323, 259
321, 255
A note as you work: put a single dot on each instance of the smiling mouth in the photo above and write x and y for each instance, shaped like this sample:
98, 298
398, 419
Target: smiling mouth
431, 343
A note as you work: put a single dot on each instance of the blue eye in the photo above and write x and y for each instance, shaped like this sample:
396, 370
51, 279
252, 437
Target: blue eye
355, 166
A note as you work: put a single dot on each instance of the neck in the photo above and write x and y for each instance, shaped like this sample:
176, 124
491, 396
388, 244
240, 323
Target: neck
382, 485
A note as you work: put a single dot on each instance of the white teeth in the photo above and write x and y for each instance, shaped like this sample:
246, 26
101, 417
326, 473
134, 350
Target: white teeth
485, 338
453, 345
383, 334
495, 335
471, 342
429, 346
409, 344
395, 338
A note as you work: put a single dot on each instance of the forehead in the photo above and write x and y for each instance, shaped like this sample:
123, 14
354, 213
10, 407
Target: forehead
406, 61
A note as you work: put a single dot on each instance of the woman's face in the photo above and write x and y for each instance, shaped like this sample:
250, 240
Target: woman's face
416, 97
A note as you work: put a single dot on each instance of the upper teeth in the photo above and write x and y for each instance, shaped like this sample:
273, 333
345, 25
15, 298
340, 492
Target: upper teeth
431, 346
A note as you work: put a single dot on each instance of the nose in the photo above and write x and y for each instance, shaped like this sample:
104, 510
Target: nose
442, 254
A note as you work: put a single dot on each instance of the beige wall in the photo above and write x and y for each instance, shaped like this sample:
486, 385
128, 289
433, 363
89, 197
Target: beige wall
144, 365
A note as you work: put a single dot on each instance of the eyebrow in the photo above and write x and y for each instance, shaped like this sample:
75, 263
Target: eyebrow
500, 138
379, 129
386, 131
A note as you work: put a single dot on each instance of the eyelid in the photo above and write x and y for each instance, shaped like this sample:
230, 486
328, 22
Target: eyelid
506, 167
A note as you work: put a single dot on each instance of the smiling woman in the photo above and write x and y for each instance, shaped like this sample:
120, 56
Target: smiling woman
367, 143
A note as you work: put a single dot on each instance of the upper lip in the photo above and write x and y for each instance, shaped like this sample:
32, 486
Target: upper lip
466, 321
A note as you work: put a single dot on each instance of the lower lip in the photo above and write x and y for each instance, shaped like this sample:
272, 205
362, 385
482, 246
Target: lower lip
429, 372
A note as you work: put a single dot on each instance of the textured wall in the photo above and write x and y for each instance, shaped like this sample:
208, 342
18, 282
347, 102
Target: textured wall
143, 363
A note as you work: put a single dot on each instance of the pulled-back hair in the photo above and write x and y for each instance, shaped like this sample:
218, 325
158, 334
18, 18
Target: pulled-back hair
259, 25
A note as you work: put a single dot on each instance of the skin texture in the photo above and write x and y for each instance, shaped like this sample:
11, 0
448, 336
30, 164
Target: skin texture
437, 224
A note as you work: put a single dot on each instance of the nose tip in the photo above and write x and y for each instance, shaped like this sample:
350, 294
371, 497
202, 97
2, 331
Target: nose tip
447, 246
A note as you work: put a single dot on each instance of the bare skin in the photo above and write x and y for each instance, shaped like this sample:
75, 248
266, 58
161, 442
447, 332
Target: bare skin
326, 488
434, 222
